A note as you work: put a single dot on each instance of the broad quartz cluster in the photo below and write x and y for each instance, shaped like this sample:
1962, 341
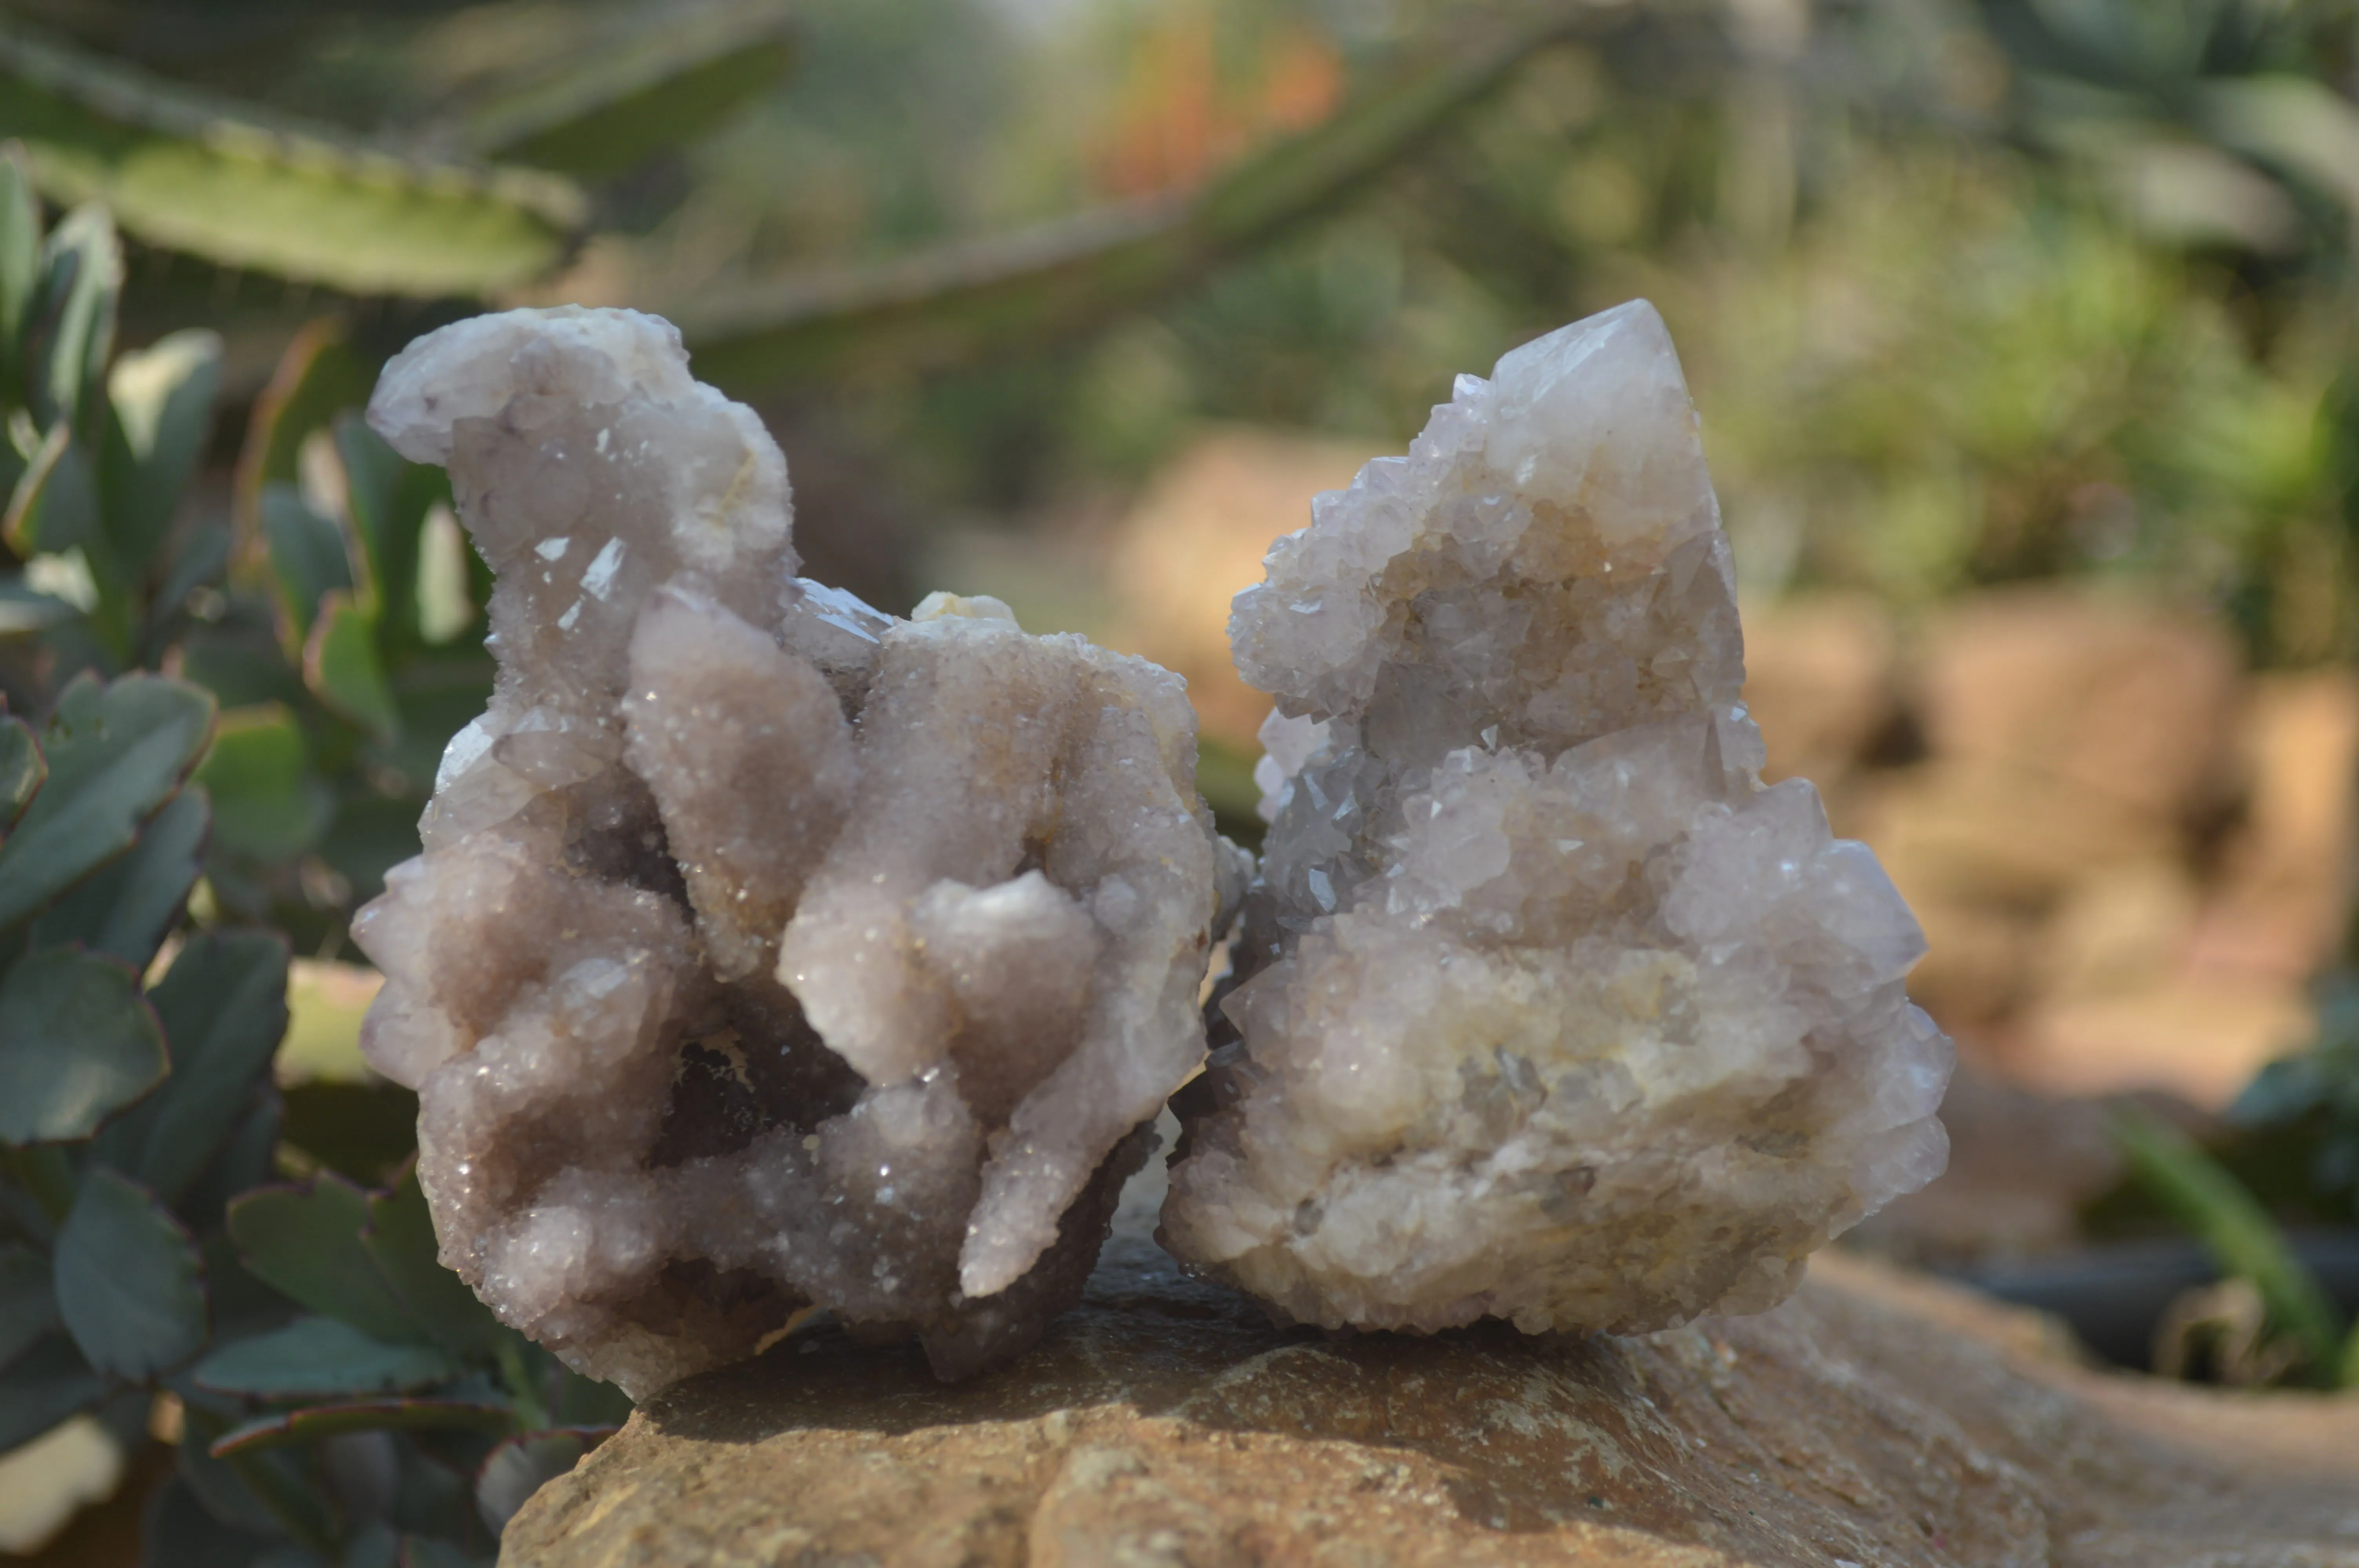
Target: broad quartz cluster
1550, 1009
765, 951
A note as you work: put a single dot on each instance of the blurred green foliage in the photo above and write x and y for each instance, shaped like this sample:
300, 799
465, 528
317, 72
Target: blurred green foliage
343, 1397
1969, 289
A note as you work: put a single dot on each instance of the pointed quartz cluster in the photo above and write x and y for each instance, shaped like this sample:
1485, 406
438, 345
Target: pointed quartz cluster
765, 951
769, 952
1548, 1010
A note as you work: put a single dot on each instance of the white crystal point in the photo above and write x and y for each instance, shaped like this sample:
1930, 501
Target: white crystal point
1595, 418
1548, 1010
767, 951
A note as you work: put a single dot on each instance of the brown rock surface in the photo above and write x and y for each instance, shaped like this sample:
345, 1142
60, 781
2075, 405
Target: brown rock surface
1819, 678
2127, 700
1874, 1419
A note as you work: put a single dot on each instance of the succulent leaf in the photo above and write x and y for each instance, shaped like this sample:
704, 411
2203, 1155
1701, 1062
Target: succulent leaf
267, 803
73, 329
20, 254
305, 1242
22, 768
312, 1424
24, 610
115, 754
54, 507
308, 555
400, 1239
341, 666
390, 499
247, 1157
160, 406
77, 1045
223, 1008
130, 1280
299, 201
41, 1388
318, 376
219, 1485
126, 907
28, 1305
319, 1358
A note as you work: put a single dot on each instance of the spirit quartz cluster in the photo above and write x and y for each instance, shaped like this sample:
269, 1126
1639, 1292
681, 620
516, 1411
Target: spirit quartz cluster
1550, 1009
767, 952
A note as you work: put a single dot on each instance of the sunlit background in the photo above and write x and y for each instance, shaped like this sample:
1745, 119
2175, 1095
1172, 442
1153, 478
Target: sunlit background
2024, 332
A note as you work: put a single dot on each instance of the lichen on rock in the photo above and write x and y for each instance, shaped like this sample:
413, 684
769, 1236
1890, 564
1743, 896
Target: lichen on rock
765, 951
1548, 1010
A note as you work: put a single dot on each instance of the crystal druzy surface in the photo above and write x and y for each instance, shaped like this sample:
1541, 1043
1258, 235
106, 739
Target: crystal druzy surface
766, 950
1550, 1010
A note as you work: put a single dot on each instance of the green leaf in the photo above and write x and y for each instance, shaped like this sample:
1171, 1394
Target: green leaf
28, 1305
267, 803
319, 1358
160, 405
78, 1043
306, 1241
2291, 122
201, 560
663, 81
124, 910
27, 610
363, 1415
2201, 1193
41, 1388
131, 1283
317, 377
969, 299
341, 667
22, 768
248, 1158
390, 499
54, 507
223, 1008
115, 754
217, 1483
307, 557
71, 334
273, 1494
20, 252
182, 1533
272, 195
400, 1239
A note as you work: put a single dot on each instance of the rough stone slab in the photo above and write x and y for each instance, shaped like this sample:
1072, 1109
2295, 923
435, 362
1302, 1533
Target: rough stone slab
1875, 1419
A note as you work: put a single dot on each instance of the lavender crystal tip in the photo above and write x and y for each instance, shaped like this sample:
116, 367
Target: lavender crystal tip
1547, 1008
765, 951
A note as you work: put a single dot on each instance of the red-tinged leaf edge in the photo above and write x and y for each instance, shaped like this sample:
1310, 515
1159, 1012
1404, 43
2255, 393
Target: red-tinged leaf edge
316, 1422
